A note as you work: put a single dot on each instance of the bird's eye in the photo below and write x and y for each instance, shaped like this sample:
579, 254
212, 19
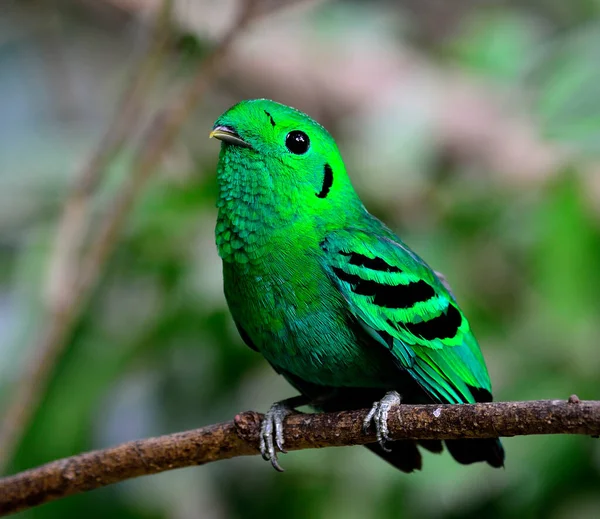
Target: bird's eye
297, 142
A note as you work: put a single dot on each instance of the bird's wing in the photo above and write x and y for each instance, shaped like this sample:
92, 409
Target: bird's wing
402, 304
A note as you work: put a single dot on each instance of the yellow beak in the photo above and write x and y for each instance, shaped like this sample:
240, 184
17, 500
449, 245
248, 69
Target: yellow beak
228, 135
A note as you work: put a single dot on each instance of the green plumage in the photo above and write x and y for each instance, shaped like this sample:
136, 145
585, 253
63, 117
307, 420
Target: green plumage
326, 292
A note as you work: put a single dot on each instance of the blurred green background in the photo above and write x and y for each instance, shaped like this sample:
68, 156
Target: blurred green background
471, 127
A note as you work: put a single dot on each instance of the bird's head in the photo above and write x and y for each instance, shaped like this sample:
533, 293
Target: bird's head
285, 155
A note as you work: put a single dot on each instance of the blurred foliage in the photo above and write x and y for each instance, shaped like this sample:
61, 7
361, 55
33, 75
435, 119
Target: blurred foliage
156, 351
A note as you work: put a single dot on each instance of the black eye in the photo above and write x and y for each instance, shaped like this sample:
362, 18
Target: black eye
297, 142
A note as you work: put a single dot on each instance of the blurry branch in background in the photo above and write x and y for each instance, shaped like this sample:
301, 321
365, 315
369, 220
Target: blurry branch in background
73, 226
240, 437
71, 277
81, 252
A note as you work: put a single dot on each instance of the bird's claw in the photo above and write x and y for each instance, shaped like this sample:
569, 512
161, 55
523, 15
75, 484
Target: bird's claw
379, 416
271, 433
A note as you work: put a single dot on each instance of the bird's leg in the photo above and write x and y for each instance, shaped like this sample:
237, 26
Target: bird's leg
379, 416
271, 429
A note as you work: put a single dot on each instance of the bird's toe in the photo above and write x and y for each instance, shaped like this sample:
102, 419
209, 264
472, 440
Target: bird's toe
271, 434
379, 416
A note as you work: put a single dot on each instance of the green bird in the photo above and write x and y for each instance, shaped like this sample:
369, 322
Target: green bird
330, 296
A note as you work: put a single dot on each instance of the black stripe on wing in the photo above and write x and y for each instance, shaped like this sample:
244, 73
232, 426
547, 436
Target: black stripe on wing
444, 326
388, 296
370, 263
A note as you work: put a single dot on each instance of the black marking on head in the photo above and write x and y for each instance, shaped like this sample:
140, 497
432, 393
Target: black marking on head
444, 326
388, 296
271, 119
327, 182
371, 263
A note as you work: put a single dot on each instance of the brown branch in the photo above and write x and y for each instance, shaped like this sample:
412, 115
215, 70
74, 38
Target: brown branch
302, 431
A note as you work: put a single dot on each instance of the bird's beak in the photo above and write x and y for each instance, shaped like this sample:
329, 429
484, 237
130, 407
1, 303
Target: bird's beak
228, 135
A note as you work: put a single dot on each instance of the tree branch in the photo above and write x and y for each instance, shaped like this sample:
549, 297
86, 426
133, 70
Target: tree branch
302, 431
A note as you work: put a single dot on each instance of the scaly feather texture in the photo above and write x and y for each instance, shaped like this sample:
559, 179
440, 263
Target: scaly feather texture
331, 297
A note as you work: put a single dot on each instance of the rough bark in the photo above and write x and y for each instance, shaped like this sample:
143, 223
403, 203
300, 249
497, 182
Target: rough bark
302, 431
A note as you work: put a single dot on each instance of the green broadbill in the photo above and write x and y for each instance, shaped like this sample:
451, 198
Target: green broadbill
330, 296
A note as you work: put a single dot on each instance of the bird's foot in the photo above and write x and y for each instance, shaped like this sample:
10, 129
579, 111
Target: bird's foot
379, 416
271, 429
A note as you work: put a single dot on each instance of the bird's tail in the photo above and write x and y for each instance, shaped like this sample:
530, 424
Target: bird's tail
472, 451
405, 455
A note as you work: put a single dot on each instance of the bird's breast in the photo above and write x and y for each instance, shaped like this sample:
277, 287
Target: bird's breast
299, 322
